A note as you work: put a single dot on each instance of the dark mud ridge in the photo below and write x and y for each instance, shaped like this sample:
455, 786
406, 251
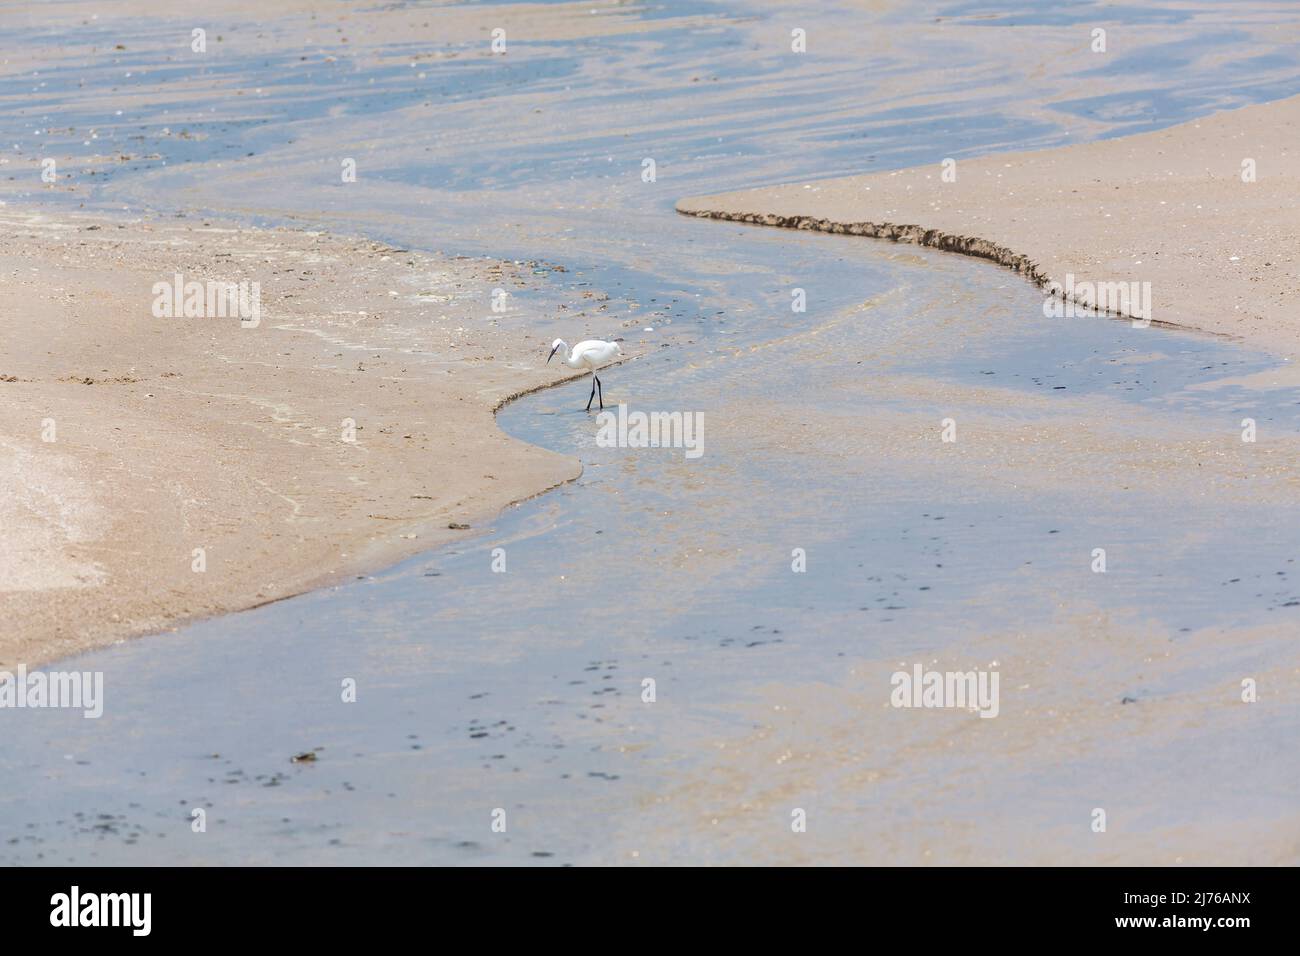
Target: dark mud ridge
966, 245
917, 235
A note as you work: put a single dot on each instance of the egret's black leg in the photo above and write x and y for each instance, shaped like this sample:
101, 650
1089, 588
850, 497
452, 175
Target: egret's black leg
593, 392
601, 392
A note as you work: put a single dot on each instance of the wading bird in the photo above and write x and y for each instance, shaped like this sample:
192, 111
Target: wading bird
590, 354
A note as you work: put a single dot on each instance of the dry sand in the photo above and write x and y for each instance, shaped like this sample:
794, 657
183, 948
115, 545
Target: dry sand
1170, 208
171, 435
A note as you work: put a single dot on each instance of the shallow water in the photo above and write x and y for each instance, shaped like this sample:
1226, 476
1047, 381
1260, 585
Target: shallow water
521, 690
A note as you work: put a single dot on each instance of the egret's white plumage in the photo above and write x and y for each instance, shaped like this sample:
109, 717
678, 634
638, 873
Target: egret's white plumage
590, 354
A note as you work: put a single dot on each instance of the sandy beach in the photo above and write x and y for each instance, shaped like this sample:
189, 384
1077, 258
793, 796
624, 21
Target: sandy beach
352, 426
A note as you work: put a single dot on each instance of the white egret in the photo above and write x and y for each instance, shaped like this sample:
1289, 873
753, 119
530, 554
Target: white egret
590, 354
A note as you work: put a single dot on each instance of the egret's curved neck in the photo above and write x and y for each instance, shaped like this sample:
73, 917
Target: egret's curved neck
564, 353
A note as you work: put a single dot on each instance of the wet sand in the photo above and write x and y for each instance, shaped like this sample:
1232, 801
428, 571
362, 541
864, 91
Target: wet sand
130, 441
1186, 773
1207, 213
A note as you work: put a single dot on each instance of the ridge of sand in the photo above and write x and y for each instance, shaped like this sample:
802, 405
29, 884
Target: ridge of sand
1172, 208
128, 442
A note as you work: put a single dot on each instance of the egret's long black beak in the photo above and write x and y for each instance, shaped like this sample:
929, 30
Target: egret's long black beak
552, 355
